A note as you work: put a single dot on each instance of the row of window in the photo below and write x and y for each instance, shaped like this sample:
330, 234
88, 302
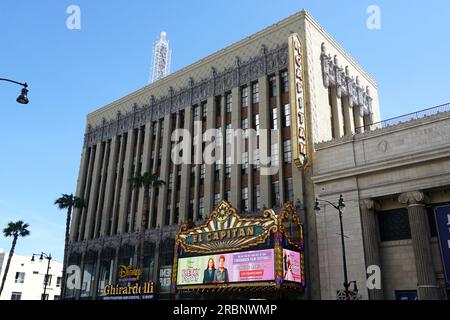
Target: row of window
20, 278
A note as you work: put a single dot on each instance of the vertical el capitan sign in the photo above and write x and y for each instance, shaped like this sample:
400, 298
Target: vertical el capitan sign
297, 100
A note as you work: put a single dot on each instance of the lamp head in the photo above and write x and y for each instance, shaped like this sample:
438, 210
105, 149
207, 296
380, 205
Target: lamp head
23, 98
41, 257
317, 205
341, 202
32, 258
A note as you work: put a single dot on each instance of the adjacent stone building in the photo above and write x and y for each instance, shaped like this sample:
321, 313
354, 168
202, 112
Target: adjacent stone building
392, 178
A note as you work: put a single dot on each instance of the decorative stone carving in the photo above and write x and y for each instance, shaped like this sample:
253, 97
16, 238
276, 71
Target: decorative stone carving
346, 86
413, 198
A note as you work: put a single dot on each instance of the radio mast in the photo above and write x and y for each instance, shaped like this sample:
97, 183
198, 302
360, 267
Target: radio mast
161, 58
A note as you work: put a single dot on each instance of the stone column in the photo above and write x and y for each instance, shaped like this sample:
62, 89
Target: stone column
79, 192
358, 119
428, 288
109, 188
280, 122
371, 241
115, 264
209, 168
186, 169
164, 172
97, 275
338, 120
264, 120
83, 256
236, 154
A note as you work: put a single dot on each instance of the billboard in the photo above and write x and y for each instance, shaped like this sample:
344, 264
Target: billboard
442, 215
292, 266
249, 266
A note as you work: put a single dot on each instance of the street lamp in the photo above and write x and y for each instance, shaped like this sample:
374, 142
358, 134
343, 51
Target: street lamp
42, 256
340, 207
23, 97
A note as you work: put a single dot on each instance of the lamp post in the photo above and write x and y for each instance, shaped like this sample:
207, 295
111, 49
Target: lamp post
340, 206
23, 97
42, 256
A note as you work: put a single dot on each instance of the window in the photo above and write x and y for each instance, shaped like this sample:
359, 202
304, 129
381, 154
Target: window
196, 113
276, 193
394, 225
290, 190
256, 163
229, 134
56, 297
272, 86
228, 168
287, 149
216, 199
204, 110
191, 209
228, 195
256, 123
20, 277
16, 296
177, 212
229, 102
257, 197
274, 155
287, 115
255, 92
244, 196
284, 82
245, 162
58, 281
202, 171
274, 124
201, 208
48, 279
170, 181
244, 97
245, 124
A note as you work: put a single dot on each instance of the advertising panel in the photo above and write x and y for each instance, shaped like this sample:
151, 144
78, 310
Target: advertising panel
442, 215
249, 266
292, 266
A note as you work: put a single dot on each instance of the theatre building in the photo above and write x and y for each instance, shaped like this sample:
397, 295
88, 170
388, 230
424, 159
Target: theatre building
292, 78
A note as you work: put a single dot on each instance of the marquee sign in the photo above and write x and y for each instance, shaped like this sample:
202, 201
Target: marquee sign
225, 230
297, 100
230, 251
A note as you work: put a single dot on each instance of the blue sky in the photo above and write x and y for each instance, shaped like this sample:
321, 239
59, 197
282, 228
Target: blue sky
73, 72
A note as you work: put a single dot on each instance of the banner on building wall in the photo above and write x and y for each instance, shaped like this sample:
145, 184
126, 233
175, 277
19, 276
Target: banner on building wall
442, 216
297, 100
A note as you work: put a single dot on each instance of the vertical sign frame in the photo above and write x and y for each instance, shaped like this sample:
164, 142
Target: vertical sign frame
297, 101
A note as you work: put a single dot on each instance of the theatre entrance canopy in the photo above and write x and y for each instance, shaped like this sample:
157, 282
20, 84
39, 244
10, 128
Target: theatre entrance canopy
230, 252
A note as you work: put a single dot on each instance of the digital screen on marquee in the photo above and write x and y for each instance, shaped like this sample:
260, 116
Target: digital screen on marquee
249, 266
291, 266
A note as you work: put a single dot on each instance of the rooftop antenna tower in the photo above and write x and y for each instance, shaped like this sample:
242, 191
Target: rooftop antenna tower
161, 58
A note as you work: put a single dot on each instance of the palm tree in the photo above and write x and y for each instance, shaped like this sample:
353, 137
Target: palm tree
15, 230
68, 202
149, 181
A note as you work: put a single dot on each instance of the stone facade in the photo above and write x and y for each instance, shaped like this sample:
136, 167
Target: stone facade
401, 166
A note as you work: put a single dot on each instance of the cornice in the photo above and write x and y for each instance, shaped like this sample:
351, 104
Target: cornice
241, 73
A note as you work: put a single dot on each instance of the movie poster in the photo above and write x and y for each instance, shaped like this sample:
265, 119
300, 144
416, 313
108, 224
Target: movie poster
291, 266
249, 266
